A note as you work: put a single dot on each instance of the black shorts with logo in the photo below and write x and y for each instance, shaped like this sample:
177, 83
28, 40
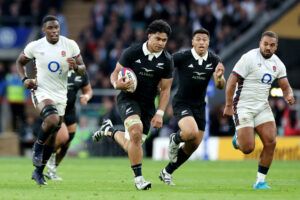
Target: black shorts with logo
128, 107
70, 116
182, 109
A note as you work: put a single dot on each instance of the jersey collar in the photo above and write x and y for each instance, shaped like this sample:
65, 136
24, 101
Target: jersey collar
199, 58
149, 54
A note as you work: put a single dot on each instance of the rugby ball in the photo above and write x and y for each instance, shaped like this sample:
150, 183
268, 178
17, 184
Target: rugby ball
129, 75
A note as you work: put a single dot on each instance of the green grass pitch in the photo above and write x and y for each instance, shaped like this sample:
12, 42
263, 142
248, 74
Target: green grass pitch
111, 179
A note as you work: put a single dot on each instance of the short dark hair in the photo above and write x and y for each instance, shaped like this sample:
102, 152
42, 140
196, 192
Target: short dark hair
49, 18
201, 31
270, 34
159, 26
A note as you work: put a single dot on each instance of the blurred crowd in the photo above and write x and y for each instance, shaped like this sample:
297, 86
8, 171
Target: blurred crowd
113, 26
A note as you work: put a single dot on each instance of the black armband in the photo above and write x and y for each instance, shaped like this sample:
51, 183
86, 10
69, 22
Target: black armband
24, 79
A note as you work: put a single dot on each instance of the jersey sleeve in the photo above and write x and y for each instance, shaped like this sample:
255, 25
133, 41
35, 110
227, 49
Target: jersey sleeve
282, 70
29, 50
125, 58
75, 48
177, 59
168, 73
85, 80
242, 66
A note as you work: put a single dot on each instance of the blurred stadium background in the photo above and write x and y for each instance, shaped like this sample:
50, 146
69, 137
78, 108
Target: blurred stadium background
103, 28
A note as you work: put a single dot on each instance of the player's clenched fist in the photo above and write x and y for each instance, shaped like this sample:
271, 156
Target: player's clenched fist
30, 84
228, 111
290, 99
219, 71
72, 63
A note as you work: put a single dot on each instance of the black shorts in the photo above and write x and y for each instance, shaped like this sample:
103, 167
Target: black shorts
182, 110
128, 107
70, 116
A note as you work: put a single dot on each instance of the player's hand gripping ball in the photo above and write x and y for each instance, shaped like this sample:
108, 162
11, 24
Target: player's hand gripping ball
129, 75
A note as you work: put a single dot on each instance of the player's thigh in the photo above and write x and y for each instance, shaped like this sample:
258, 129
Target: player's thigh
244, 118
127, 108
188, 125
199, 116
267, 132
263, 116
246, 137
70, 116
244, 122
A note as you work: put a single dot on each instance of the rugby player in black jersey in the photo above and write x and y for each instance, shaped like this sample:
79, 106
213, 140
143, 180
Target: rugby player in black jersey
68, 128
195, 67
153, 67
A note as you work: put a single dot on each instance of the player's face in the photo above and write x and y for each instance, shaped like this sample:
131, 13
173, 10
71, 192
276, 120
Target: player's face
157, 42
51, 29
200, 42
268, 46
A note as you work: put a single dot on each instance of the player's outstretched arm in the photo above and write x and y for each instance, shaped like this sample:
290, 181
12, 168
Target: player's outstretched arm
86, 95
21, 62
287, 90
230, 88
165, 89
219, 76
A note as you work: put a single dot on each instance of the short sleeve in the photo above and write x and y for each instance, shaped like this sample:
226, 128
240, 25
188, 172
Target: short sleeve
28, 51
85, 80
169, 72
74, 48
282, 70
125, 57
177, 59
242, 66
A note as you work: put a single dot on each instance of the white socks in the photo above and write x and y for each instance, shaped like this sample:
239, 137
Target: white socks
260, 177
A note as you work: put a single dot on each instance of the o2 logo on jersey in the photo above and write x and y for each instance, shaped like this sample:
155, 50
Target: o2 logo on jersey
54, 66
267, 79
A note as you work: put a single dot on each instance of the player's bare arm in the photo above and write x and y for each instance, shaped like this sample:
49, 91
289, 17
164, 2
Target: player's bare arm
21, 62
287, 91
230, 88
165, 87
119, 84
219, 76
86, 95
77, 65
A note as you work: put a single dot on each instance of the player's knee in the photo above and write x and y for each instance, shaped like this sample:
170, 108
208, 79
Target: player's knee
136, 134
52, 123
135, 129
190, 133
270, 144
247, 149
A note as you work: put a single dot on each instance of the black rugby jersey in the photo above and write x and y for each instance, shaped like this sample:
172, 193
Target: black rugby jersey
75, 83
148, 73
192, 77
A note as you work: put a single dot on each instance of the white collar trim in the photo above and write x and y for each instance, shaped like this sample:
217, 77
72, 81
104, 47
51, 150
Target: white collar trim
149, 54
197, 57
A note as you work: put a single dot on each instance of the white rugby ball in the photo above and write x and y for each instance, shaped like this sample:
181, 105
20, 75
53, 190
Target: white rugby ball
129, 75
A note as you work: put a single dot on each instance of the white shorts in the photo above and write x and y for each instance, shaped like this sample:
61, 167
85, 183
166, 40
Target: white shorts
38, 97
252, 117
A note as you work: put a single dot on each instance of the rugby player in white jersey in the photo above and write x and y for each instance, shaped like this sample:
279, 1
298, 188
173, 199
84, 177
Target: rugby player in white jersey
54, 55
251, 81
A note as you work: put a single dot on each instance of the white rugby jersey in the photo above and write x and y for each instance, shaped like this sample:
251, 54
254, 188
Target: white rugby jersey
257, 74
52, 66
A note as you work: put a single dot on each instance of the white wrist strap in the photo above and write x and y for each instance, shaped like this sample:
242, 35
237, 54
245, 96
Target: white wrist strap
160, 112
